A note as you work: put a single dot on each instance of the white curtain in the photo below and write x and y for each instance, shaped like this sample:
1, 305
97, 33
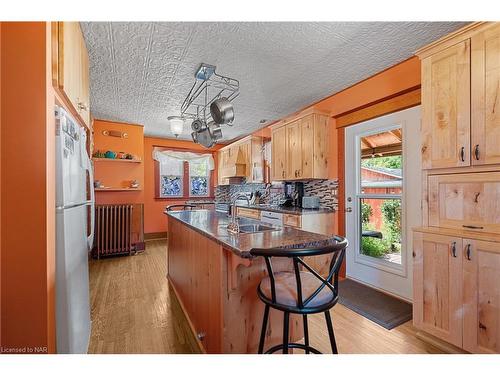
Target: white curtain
175, 158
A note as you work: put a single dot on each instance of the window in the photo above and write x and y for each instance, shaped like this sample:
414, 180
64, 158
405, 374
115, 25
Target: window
199, 178
177, 178
171, 178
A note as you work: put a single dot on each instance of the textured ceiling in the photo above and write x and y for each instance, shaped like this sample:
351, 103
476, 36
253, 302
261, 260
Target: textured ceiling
140, 72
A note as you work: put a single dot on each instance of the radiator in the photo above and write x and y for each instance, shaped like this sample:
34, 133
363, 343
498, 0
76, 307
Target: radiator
113, 228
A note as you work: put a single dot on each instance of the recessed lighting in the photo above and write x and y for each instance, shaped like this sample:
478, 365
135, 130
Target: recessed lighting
263, 121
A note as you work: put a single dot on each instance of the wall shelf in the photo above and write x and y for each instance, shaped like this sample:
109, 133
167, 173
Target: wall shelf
117, 160
116, 189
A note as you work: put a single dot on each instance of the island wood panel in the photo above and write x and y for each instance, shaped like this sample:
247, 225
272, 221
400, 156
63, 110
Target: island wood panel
485, 96
243, 310
195, 270
482, 297
437, 298
446, 108
465, 201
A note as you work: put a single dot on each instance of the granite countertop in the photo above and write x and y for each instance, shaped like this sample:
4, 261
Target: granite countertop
288, 210
213, 225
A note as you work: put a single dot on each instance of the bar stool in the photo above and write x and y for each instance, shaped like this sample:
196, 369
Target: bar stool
285, 291
180, 207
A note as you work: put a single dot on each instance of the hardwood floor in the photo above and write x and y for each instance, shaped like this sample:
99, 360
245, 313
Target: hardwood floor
134, 311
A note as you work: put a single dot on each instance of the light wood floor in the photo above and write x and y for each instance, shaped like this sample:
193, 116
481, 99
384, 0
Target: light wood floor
134, 311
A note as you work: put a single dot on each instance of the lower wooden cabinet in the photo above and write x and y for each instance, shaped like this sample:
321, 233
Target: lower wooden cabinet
437, 286
481, 296
457, 290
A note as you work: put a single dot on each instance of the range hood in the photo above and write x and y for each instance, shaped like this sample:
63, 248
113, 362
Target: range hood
235, 166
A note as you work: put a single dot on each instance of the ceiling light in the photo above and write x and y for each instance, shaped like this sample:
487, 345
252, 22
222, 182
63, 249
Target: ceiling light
176, 125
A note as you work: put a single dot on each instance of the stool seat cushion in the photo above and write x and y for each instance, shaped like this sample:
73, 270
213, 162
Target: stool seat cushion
286, 289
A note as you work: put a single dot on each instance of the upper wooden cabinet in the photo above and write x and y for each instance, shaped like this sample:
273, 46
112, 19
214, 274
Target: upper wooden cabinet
446, 108
244, 159
485, 99
279, 153
300, 148
71, 68
460, 98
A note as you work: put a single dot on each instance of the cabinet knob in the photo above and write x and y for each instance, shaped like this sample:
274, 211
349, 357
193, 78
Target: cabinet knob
476, 152
462, 153
201, 335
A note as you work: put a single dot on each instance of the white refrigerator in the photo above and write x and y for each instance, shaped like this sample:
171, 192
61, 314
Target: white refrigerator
72, 243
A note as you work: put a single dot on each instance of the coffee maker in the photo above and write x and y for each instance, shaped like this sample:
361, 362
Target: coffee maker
294, 191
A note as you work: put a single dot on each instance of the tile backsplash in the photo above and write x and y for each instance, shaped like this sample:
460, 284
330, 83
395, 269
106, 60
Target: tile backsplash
326, 190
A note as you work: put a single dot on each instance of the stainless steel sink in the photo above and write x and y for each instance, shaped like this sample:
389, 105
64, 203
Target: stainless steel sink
255, 228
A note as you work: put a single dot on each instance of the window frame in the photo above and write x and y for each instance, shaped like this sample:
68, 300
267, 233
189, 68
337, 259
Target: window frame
186, 180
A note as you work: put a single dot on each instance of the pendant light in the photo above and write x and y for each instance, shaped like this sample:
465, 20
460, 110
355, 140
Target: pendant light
176, 125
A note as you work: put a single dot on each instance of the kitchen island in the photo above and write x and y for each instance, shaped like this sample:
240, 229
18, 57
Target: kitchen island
215, 279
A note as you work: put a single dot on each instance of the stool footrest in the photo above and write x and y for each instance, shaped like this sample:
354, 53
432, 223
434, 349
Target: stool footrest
293, 346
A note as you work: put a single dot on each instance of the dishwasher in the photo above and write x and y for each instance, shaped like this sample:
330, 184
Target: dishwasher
274, 218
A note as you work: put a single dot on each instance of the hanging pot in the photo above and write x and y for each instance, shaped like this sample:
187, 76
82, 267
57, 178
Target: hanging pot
222, 111
215, 130
197, 125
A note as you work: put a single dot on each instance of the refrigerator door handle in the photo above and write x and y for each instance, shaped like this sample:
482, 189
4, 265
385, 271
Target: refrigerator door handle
90, 238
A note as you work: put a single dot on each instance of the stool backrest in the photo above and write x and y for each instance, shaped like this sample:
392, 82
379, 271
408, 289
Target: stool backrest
337, 250
180, 207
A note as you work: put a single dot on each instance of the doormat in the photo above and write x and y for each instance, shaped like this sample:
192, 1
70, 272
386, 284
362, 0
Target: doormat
381, 308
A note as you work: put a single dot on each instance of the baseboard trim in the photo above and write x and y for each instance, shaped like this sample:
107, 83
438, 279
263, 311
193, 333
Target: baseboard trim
438, 343
155, 236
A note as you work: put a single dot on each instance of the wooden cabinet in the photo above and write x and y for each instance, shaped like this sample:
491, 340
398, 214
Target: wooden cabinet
460, 100
248, 212
294, 150
292, 220
437, 279
465, 201
481, 296
300, 148
446, 108
71, 68
243, 159
457, 250
456, 290
485, 99
278, 154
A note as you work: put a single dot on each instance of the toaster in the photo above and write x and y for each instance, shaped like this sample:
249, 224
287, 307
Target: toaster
310, 202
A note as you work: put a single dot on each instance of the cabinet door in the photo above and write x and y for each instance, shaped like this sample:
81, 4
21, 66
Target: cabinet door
485, 81
481, 296
278, 152
84, 102
437, 286
70, 61
466, 201
294, 150
321, 146
446, 108
307, 146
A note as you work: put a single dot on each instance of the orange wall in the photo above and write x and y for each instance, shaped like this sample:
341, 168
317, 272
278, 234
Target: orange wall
392, 81
117, 174
154, 218
27, 187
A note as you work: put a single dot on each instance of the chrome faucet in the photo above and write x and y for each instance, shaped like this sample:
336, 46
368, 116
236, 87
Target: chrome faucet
233, 226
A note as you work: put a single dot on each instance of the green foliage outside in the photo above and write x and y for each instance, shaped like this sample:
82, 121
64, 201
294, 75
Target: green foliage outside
391, 232
392, 162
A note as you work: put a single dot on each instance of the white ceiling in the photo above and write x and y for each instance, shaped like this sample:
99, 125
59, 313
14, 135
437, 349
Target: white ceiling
140, 72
